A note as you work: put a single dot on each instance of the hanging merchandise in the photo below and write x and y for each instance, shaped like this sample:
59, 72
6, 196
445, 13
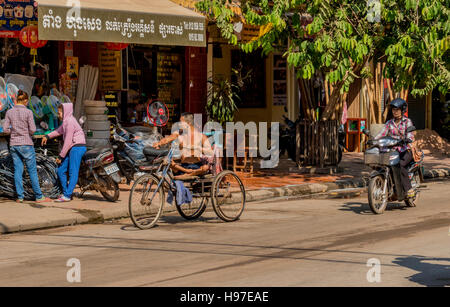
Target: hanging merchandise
12, 91
64, 99
35, 105
24, 83
29, 37
50, 109
3, 96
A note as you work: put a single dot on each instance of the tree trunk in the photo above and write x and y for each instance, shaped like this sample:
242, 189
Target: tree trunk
336, 88
306, 103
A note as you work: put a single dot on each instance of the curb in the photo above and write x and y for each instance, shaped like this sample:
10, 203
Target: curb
302, 189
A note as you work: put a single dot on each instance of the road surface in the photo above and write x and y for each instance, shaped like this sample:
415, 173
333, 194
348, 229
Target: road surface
306, 242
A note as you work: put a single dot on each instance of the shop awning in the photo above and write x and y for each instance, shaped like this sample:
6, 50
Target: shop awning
156, 22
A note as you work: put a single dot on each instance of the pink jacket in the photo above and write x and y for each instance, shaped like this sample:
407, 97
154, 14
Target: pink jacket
70, 130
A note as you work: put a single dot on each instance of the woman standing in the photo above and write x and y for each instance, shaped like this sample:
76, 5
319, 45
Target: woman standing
72, 152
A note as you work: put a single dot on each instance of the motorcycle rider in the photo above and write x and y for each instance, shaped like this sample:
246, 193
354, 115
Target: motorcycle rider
396, 128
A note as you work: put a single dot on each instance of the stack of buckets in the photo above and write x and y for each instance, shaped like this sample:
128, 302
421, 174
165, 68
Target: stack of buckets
97, 127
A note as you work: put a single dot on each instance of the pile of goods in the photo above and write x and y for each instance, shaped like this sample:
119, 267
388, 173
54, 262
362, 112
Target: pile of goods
46, 169
431, 143
135, 149
97, 125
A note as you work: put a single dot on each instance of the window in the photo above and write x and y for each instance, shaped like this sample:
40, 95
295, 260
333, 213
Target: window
251, 77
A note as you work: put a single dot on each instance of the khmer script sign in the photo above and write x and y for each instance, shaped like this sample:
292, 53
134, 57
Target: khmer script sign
87, 24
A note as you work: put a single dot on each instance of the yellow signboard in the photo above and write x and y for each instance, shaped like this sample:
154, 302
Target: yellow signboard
110, 69
252, 33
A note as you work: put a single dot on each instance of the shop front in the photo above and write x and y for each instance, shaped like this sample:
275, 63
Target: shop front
143, 50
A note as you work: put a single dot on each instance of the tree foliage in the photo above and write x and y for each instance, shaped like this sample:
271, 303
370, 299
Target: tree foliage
337, 39
416, 43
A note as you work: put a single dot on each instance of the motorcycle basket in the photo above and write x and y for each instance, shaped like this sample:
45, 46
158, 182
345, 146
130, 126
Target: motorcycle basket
375, 157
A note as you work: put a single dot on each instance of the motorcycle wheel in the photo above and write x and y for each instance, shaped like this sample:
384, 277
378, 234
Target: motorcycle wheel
376, 202
112, 190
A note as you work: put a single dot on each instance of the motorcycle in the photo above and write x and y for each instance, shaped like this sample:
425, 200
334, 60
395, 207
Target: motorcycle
385, 181
129, 154
288, 135
99, 172
341, 142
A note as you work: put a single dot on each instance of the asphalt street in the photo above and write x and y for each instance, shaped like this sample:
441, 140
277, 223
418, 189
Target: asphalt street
284, 242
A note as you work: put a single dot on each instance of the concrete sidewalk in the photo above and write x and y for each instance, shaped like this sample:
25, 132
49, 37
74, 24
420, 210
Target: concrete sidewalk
265, 184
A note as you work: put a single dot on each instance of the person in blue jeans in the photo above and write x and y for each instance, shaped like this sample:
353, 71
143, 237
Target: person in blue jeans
19, 122
72, 152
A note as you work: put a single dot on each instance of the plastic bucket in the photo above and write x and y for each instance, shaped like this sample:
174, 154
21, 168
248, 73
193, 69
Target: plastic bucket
96, 110
94, 103
98, 125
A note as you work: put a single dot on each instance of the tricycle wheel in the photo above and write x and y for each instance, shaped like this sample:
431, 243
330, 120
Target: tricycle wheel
228, 196
146, 201
194, 209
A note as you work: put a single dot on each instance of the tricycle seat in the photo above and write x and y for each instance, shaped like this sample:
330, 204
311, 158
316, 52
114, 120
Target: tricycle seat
206, 177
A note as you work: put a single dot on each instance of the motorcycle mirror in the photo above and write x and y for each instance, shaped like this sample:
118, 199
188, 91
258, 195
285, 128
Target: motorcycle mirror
411, 129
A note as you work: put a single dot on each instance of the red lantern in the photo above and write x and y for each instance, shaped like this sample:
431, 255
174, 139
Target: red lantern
116, 46
29, 37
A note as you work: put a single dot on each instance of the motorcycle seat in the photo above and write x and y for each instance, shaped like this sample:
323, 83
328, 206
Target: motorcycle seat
154, 155
94, 153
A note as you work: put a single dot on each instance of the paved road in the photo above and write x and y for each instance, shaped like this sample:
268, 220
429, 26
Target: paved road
321, 242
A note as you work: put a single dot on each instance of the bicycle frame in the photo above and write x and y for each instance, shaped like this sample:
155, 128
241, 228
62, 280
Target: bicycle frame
165, 170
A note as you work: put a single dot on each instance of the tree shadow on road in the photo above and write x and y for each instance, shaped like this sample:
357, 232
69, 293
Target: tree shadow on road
431, 274
364, 208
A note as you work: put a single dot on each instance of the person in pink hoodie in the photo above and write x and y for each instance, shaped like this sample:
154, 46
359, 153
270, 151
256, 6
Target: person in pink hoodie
72, 152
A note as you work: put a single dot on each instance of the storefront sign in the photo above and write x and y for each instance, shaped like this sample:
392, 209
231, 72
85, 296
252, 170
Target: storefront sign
110, 66
112, 99
279, 80
15, 15
68, 48
252, 33
102, 25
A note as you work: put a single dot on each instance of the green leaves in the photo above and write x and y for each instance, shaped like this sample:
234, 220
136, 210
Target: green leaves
334, 37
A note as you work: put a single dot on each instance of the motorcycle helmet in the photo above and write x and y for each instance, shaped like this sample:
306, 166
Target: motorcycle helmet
400, 104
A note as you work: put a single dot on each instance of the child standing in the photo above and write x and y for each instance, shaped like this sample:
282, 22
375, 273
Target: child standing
72, 152
19, 122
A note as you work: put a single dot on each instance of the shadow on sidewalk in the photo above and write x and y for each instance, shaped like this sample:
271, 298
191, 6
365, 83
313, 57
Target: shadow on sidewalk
432, 272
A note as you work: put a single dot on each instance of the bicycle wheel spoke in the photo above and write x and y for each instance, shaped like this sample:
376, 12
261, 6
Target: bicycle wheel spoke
146, 202
228, 196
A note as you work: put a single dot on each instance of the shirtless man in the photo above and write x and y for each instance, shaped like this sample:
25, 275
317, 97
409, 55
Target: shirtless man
193, 145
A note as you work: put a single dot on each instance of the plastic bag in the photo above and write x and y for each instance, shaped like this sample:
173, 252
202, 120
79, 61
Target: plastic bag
24, 83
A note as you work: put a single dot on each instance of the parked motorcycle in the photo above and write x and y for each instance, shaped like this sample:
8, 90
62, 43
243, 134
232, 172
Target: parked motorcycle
385, 181
341, 141
129, 155
288, 134
98, 172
